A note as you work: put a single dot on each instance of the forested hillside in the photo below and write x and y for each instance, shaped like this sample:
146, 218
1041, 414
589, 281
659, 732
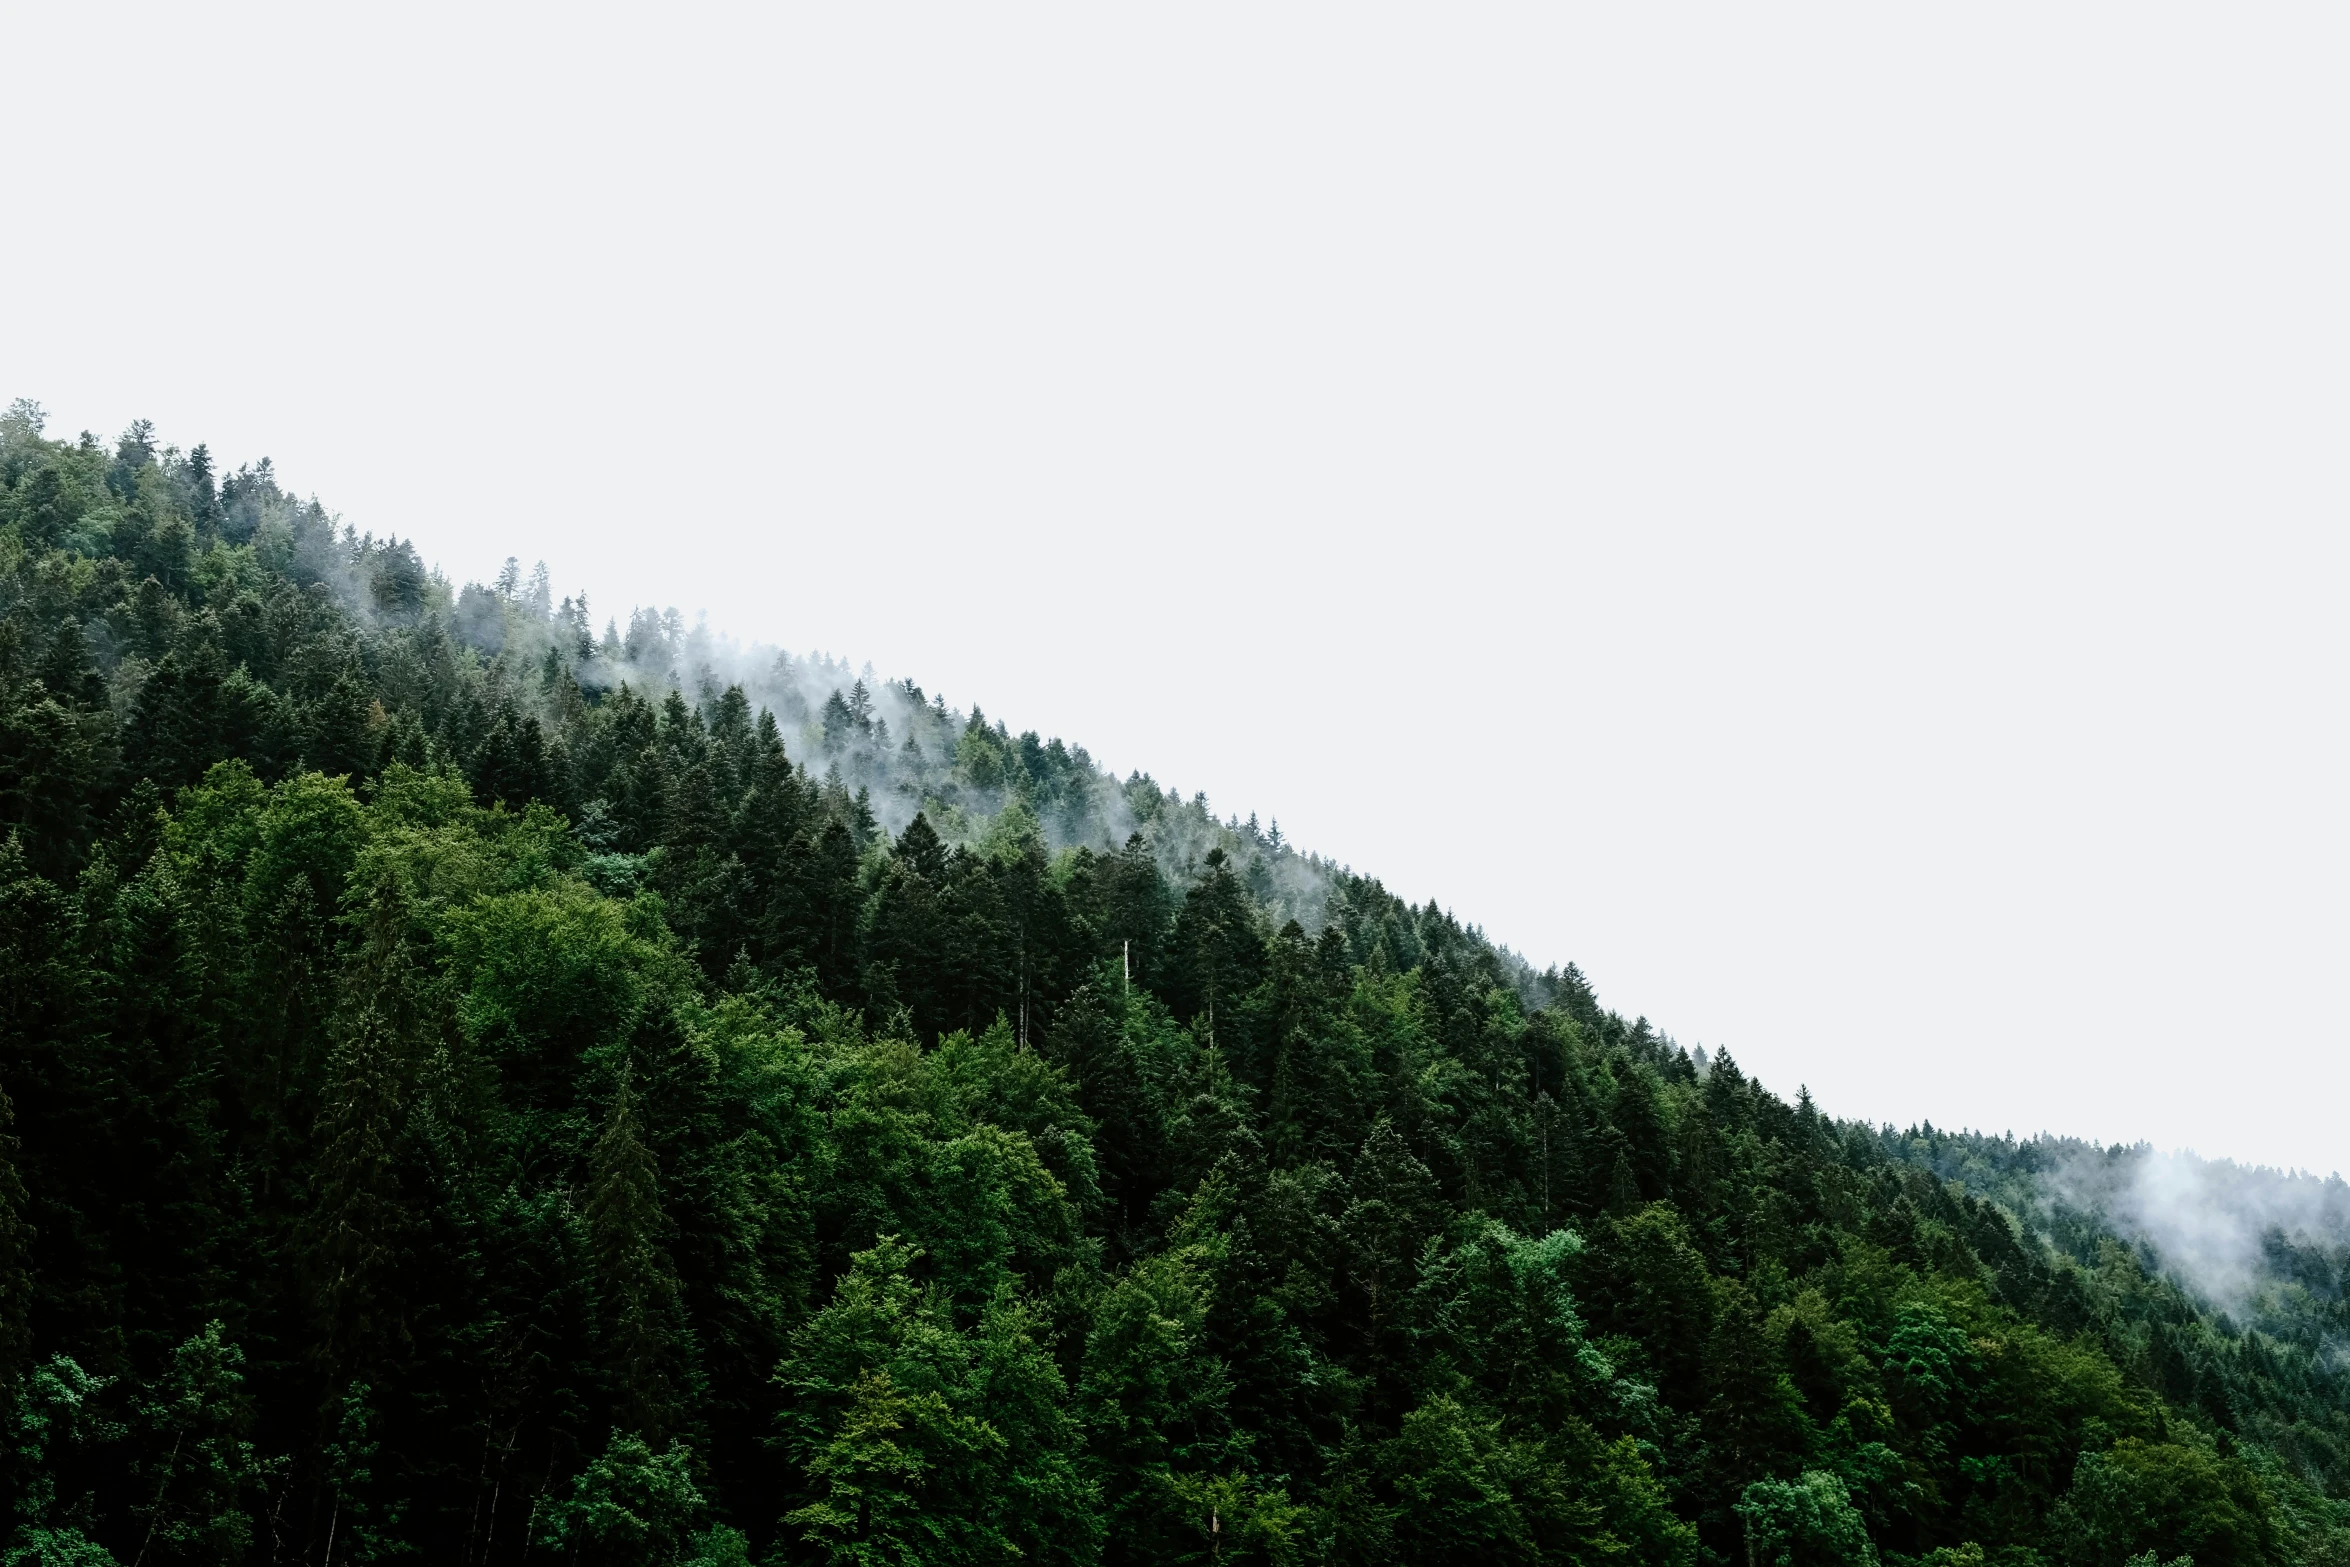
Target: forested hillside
488, 1089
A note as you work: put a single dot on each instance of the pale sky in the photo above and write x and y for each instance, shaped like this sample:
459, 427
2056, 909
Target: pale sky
1833, 519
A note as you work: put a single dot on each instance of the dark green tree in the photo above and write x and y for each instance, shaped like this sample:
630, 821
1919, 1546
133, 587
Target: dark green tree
633, 1272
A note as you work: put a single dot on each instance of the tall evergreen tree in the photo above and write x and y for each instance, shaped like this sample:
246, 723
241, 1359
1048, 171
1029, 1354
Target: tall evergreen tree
633, 1273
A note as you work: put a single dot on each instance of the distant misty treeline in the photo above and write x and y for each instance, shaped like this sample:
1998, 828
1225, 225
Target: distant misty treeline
2248, 1268
2241, 1237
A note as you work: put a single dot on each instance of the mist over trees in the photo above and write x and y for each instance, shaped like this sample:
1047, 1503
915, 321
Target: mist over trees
493, 1087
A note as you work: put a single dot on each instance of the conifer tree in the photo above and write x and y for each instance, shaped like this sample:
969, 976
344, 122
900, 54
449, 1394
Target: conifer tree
16, 1251
1219, 956
633, 1273
363, 1228
64, 668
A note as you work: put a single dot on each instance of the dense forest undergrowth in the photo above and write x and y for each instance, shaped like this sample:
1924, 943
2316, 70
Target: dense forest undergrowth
483, 1090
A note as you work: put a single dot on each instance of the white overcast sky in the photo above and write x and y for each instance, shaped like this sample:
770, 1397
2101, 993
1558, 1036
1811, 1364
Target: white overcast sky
1830, 517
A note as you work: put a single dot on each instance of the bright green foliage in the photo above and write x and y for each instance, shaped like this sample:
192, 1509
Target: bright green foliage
629, 1506
55, 1424
496, 1090
1237, 1520
196, 1472
1805, 1522
56, 1548
917, 1441
363, 1527
1158, 1402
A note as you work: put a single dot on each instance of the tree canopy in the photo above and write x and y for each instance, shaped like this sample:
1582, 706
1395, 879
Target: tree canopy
482, 1090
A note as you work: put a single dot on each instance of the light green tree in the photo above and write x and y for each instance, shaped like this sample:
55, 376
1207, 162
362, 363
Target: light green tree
1805, 1522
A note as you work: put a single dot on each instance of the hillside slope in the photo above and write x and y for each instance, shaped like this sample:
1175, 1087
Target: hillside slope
491, 1088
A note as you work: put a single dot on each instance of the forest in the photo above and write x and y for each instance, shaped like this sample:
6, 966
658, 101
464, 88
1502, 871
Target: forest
484, 1088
